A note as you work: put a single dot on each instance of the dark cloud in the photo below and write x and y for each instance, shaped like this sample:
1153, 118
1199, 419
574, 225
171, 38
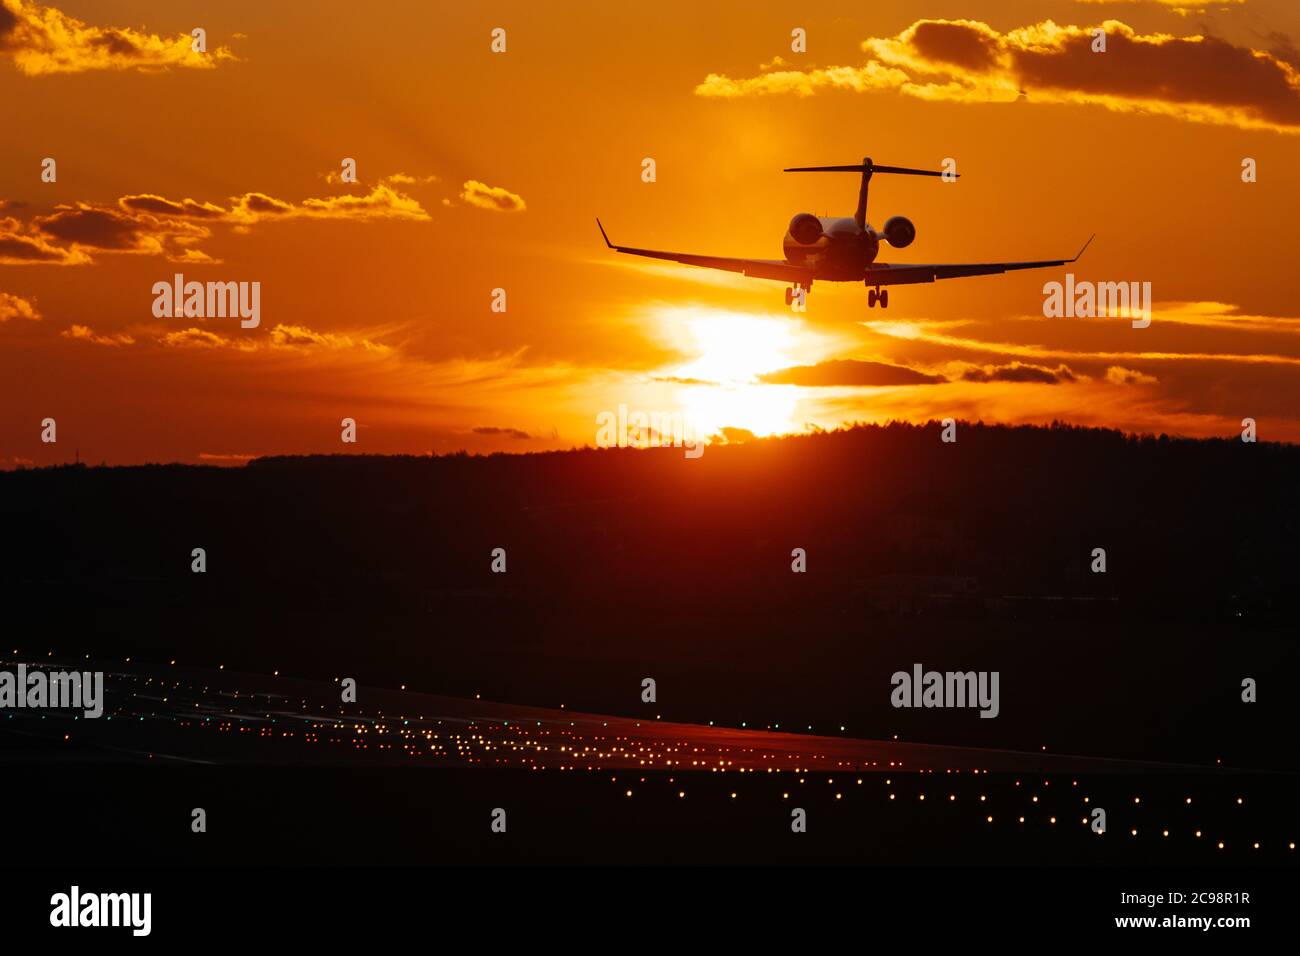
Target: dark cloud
8, 22
850, 372
1197, 77
1188, 70
160, 206
111, 230
1019, 372
516, 433
97, 228
24, 245
955, 43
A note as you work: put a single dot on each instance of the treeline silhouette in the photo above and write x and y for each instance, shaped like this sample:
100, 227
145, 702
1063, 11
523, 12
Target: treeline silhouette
975, 553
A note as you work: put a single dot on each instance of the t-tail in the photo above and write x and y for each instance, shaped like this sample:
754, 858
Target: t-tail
866, 168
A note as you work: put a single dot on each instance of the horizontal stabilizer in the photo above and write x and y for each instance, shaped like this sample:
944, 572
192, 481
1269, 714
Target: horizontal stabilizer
868, 168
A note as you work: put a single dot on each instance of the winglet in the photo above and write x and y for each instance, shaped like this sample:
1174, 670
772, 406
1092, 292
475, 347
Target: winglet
611, 245
1081, 251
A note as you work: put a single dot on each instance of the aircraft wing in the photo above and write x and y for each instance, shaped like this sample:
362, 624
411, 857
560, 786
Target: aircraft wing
881, 273
758, 268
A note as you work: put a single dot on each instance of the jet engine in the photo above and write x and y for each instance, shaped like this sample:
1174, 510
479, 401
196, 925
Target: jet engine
805, 228
899, 231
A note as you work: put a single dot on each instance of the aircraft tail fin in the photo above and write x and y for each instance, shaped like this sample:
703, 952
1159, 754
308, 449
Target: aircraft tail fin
866, 168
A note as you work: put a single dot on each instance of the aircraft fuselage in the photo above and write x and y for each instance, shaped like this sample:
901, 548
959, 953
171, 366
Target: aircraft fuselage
841, 253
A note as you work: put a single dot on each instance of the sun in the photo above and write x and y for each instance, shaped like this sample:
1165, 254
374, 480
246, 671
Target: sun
719, 384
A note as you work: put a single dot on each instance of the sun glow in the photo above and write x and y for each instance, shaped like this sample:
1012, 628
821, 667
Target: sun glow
718, 386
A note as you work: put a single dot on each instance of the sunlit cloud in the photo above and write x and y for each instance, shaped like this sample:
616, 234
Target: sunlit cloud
1127, 376
1041, 352
83, 333
42, 40
493, 198
23, 244
16, 307
298, 336
1196, 78
1019, 372
150, 224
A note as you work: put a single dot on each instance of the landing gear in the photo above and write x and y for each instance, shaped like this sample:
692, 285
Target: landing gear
878, 295
798, 293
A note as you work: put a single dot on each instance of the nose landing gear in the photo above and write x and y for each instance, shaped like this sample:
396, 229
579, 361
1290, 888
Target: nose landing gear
878, 295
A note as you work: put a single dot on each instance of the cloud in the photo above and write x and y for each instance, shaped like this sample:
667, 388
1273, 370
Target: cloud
483, 196
1018, 372
402, 179
233, 457
298, 336
84, 226
194, 257
44, 40
1195, 78
1127, 376
850, 372
1179, 6
195, 338
382, 202
84, 333
516, 433
1223, 315
159, 206
16, 307
918, 332
150, 224
24, 245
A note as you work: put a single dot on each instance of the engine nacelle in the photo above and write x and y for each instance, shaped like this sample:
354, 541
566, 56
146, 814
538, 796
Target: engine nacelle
805, 228
899, 231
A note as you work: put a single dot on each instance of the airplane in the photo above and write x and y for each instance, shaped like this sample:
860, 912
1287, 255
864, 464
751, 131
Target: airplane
835, 249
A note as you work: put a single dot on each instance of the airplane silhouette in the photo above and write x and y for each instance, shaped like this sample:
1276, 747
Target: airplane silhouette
837, 249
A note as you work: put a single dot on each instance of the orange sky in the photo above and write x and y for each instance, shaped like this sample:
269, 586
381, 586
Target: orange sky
480, 170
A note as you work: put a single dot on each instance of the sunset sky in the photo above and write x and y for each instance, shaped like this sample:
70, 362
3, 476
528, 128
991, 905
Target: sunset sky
480, 170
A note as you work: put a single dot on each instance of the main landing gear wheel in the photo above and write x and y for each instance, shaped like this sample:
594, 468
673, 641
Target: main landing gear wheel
878, 295
789, 296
